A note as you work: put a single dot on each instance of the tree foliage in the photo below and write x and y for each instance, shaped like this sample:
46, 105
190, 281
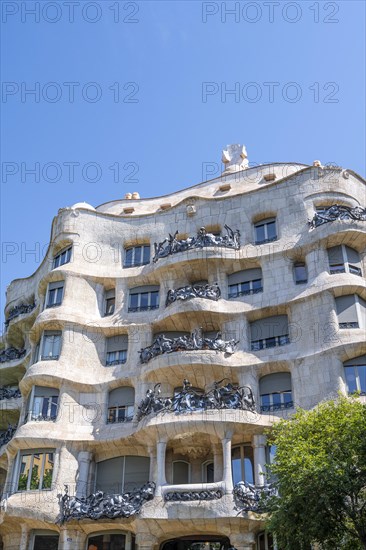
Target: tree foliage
320, 474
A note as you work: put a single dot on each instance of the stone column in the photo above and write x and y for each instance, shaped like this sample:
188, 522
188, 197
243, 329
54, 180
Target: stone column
227, 469
145, 541
218, 465
152, 470
18, 540
160, 459
84, 460
259, 448
72, 539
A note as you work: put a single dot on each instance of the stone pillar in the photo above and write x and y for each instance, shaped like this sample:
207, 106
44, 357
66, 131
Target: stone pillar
227, 469
259, 451
145, 541
72, 539
153, 466
160, 459
218, 465
18, 540
84, 460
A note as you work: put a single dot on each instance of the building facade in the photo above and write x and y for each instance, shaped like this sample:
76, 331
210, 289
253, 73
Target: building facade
147, 357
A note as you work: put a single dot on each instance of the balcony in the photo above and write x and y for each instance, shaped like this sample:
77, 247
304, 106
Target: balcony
7, 435
11, 354
337, 212
18, 310
193, 492
184, 293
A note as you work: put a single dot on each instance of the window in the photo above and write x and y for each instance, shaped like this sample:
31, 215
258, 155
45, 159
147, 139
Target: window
181, 472
265, 542
110, 541
62, 257
35, 470
343, 259
208, 473
355, 372
137, 255
275, 392
269, 332
51, 345
55, 294
351, 310
43, 404
245, 282
121, 405
265, 231
117, 350
44, 540
242, 464
110, 301
300, 273
122, 474
144, 298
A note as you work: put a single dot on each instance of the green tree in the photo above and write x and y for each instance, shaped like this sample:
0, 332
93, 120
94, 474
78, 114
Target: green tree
320, 474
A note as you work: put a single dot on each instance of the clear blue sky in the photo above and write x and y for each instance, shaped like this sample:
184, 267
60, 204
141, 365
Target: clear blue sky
166, 121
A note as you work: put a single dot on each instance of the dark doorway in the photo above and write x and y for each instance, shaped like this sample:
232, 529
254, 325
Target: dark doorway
197, 542
45, 542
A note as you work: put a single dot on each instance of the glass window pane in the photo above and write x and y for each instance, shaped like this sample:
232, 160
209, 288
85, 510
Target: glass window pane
271, 230
154, 301
45, 403
362, 377
47, 346
138, 255
56, 346
136, 472
351, 379
134, 301
146, 258
144, 300
270, 342
112, 411
300, 273
48, 471
287, 397
209, 472
248, 464
245, 287
257, 284
53, 411
276, 397
24, 472
259, 233
59, 292
233, 290
128, 256
236, 465
36, 471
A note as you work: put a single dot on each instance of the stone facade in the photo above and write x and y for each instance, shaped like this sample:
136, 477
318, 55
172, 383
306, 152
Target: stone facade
82, 380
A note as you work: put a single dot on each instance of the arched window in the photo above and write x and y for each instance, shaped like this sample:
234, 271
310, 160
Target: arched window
121, 405
242, 463
355, 373
208, 473
344, 259
275, 392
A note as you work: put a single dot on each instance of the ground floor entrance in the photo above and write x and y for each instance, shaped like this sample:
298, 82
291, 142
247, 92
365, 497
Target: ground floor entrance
196, 542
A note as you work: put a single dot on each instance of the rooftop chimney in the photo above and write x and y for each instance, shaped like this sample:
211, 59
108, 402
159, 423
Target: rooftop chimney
235, 158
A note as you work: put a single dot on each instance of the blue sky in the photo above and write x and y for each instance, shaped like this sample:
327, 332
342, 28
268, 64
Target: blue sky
144, 88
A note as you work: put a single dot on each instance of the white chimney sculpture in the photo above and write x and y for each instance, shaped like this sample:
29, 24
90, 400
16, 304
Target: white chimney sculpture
235, 158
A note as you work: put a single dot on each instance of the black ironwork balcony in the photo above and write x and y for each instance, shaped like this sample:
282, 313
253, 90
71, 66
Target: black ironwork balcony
198, 495
10, 354
338, 212
252, 498
143, 308
19, 310
272, 342
172, 245
100, 505
228, 396
192, 342
277, 407
210, 292
236, 294
9, 393
350, 324
7, 435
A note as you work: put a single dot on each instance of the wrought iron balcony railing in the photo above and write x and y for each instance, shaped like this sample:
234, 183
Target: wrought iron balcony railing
10, 354
194, 341
228, 396
9, 393
277, 407
350, 324
338, 212
237, 293
143, 308
100, 505
252, 498
172, 245
272, 342
19, 310
7, 435
210, 292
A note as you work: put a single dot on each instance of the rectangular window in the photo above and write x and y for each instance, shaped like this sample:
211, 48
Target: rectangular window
62, 258
55, 294
347, 311
356, 378
265, 231
300, 273
248, 281
110, 301
117, 350
137, 256
144, 299
344, 259
45, 542
44, 406
35, 471
269, 332
276, 401
51, 345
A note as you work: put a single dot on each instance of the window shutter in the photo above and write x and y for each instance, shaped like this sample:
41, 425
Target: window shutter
266, 220
40, 391
335, 255
117, 343
145, 288
137, 470
276, 382
269, 327
346, 309
110, 294
245, 276
110, 475
56, 284
356, 361
121, 397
